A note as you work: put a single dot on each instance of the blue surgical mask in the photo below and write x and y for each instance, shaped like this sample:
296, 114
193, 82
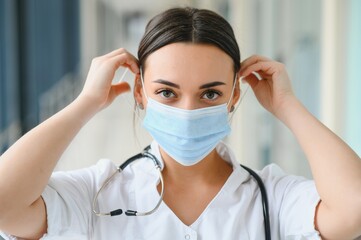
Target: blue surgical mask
187, 136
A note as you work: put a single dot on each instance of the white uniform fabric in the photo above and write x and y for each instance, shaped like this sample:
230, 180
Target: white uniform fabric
235, 212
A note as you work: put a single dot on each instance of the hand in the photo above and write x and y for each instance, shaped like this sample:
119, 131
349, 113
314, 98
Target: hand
98, 88
274, 87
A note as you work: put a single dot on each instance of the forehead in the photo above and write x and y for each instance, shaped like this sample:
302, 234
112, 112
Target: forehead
189, 60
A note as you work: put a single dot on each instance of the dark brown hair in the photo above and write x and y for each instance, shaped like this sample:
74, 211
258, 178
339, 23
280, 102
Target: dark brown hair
188, 25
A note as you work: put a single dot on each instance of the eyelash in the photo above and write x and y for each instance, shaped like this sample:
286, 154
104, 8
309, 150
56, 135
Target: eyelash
162, 91
213, 92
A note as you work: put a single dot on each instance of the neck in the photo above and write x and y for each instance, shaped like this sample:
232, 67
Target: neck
212, 170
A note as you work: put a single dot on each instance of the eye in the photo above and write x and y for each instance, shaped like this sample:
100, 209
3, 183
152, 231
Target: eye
211, 95
165, 93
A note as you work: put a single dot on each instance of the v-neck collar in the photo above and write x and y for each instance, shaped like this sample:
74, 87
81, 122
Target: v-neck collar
237, 177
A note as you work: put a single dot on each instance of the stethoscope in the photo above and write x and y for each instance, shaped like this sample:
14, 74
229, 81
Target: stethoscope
147, 154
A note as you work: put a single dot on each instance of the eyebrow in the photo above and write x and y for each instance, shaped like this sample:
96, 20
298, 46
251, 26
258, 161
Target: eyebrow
171, 84
211, 84
165, 82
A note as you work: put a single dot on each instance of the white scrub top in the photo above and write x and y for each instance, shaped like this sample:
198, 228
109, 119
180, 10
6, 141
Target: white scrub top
234, 213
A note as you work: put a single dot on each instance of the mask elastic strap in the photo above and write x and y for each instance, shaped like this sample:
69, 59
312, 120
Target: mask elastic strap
239, 103
127, 99
142, 80
123, 76
233, 87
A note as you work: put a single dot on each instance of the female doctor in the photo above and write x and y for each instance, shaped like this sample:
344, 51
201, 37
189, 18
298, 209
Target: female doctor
187, 73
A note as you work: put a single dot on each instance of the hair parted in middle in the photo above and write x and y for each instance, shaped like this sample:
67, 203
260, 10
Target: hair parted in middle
188, 25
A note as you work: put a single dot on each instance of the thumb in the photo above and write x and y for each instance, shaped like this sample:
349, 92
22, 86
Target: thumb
252, 80
120, 88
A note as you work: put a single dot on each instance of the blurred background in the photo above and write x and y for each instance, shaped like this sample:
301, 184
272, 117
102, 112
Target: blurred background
47, 45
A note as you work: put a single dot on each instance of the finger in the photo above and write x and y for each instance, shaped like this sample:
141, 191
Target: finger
252, 60
115, 52
118, 89
134, 67
252, 80
262, 68
125, 60
263, 75
250, 63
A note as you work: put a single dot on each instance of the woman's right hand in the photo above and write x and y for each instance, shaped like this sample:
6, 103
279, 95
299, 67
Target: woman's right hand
98, 89
25, 168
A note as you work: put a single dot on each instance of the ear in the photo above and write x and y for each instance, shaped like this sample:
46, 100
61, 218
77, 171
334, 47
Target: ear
236, 93
138, 90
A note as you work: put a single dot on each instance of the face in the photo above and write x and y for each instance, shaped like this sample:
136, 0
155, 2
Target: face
188, 76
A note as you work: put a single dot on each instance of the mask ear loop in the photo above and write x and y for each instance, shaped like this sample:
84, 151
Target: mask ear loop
240, 101
138, 114
233, 87
142, 81
127, 99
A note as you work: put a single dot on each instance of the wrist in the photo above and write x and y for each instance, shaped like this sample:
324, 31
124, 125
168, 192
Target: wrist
288, 109
83, 108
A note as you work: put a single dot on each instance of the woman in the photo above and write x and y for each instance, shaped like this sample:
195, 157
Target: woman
187, 74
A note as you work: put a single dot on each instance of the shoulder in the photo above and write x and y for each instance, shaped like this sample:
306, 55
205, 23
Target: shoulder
80, 183
275, 180
99, 171
282, 189
274, 176
272, 170
69, 197
280, 185
292, 200
95, 175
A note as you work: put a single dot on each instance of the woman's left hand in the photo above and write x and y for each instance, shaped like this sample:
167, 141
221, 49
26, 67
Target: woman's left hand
274, 88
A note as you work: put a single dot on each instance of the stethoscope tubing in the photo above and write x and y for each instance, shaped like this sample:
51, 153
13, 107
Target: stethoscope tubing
130, 212
147, 154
